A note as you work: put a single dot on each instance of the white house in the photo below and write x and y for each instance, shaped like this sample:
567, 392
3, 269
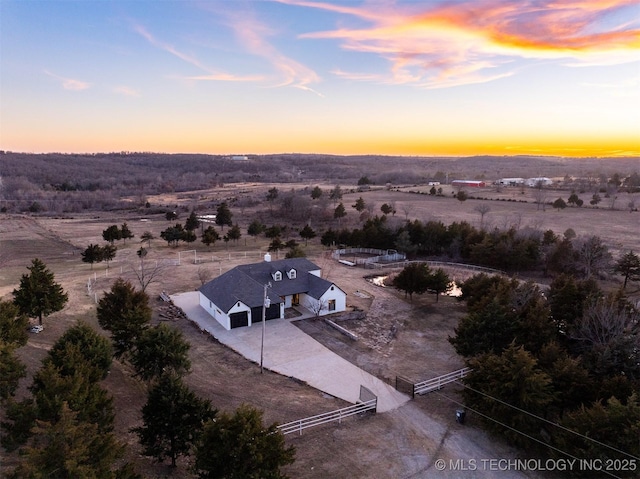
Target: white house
235, 299
541, 181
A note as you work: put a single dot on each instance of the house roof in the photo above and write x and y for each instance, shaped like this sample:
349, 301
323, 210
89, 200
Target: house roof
246, 283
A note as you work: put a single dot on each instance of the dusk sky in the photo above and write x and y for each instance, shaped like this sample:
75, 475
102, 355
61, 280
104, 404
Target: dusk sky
429, 77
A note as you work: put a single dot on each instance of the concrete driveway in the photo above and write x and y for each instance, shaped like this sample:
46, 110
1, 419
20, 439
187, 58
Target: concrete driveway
291, 352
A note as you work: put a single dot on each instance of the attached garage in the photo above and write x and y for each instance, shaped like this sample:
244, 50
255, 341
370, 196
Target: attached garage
272, 312
240, 319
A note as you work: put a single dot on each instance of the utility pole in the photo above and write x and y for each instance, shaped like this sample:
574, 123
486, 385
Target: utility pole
266, 302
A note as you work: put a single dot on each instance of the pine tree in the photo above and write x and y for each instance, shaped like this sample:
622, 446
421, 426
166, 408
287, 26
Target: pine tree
39, 295
192, 222
629, 267
414, 278
307, 233
159, 350
239, 446
173, 419
210, 236
224, 215
125, 232
124, 312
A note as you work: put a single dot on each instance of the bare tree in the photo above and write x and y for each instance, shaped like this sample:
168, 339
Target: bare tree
147, 271
318, 307
540, 196
204, 274
592, 255
482, 209
609, 332
406, 209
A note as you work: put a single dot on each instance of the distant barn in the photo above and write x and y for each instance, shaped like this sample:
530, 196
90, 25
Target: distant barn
468, 183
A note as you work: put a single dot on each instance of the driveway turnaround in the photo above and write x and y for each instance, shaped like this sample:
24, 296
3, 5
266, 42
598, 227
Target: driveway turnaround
291, 352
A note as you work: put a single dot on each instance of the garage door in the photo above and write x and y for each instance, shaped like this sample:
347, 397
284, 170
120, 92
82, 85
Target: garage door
272, 312
239, 320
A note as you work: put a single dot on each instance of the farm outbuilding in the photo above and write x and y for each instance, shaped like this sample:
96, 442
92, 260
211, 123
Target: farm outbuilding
468, 183
532, 182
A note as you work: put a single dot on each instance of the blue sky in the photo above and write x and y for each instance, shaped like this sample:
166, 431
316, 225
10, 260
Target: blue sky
349, 77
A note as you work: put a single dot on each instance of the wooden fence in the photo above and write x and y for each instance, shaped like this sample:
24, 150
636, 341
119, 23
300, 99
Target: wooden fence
381, 256
433, 384
370, 403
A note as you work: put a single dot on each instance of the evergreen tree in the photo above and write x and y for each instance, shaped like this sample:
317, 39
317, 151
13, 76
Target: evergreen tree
255, 228
340, 212
307, 233
239, 446
13, 325
147, 236
159, 350
173, 418
81, 344
414, 278
125, 232
274, 231
173, 234
71, 448
93, 254
111, 234
386, 208
512, 377
192, 222
39, 295
210, 236
336, 194
359, 205
613, 423
224, 215
439, 282
316, 192
559, 204
124, 312
629, 267
108, 253
11, 370
234, 233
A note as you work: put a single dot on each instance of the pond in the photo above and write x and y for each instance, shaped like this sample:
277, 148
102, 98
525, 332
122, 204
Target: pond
380, 281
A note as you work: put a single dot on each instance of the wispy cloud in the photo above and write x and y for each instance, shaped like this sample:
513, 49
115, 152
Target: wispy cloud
126, 91
211, 74
69, 83
253, 35
454, 43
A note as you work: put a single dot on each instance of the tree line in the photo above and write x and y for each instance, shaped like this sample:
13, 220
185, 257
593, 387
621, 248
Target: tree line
554, 371
65, 427
512, 250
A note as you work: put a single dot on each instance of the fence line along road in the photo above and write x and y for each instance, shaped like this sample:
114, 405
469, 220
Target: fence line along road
433, 384
327, 417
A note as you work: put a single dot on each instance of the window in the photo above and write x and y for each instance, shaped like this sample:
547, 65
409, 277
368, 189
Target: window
332, 305
292, 274
277, 276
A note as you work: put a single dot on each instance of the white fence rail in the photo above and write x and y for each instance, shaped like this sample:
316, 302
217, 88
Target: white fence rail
437, 383
337, 415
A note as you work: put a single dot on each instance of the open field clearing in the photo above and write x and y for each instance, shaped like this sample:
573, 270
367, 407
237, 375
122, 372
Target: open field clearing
397, 337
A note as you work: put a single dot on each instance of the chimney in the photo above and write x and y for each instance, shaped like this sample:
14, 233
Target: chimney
267, 258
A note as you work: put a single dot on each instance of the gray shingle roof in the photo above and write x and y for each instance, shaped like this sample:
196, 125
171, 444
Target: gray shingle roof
246, 283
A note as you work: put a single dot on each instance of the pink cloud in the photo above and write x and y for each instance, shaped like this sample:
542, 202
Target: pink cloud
70, 83
453, 43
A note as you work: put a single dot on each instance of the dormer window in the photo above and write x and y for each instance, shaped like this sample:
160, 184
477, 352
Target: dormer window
292, 274
277, 276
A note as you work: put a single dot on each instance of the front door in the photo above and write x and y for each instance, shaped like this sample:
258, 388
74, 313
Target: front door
295, 300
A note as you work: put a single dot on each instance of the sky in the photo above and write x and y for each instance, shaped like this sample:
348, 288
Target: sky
423, 78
